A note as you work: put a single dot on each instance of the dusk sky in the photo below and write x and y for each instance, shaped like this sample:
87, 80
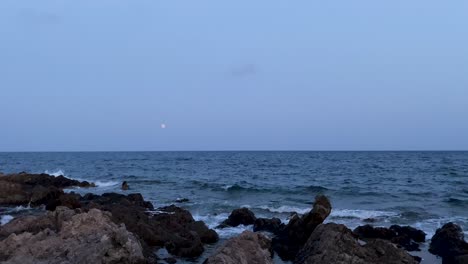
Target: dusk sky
233, 75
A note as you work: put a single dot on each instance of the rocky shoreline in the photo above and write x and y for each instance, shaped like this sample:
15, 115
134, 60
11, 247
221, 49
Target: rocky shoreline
117, 228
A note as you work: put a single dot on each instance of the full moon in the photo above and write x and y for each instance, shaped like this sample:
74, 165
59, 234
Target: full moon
163, 126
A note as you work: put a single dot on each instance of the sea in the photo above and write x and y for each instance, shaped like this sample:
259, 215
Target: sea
420, 189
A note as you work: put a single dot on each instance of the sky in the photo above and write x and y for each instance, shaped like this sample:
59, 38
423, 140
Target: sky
146, 75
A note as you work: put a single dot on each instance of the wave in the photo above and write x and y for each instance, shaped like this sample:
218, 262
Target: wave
4, 219
361, 214
106, 183
286, 209
55, 173
213, 220
456, 202
102, 184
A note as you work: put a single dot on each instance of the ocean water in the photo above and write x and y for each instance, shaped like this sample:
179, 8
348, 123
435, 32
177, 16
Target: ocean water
421, 189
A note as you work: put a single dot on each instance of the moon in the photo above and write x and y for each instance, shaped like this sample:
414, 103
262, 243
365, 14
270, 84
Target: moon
163, 126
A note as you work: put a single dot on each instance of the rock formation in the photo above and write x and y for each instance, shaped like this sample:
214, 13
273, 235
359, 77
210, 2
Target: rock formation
294, 235
247, 248
336, 244
68, 236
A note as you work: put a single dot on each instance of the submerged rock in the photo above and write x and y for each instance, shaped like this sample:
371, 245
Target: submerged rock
67, 236
449, 243
294, 235
247, 248
336, 244
403, 236
241, 216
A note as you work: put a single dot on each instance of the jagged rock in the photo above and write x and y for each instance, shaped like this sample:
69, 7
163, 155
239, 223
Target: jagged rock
294, 235
66, 236
34, 189
334, 243
247, 248
449, 243
403, 236
241, 216
171, 227
270, 225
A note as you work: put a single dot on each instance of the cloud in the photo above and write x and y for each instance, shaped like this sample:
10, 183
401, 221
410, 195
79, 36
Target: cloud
244, 70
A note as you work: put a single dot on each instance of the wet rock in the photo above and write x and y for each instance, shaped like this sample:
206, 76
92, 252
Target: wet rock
182, 200
242, 216
413, 233
247, 248
125, 186
78, 236
403, 236
272, 225
45, 180
333, 243
171, 227
293, 236
34, 189
449, 243
368, 231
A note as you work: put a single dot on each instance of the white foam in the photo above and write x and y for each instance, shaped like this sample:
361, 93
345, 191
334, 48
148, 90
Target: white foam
106, 183
55, 173
361, 214
286, 209
21, 208
229, 232
4, 219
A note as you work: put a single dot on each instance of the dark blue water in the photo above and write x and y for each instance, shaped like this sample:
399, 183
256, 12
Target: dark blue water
422, 189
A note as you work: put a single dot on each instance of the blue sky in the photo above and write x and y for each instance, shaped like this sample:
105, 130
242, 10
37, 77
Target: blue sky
237, 75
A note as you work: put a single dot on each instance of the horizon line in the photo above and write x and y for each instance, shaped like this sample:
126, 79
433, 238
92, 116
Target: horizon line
241, 150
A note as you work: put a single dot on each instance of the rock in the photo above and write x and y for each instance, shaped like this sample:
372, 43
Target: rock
171, 227
369, 220
182, 200
125, 186
413, 233
270, 225
449, 243
368, 231
247, 248
34, 189
403, 236
45, 180
242, 216
334, 243
69, 200
293, 236
79, 238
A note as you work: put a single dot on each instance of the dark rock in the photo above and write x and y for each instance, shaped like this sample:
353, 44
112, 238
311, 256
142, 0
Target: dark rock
368, 231
369, 220
242, 216
403, 236
170, 260
293, 236
333, 243
125, 186
171, 227
270, 225
413, 233
182, 200
449, 243
34, 189
248, 248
